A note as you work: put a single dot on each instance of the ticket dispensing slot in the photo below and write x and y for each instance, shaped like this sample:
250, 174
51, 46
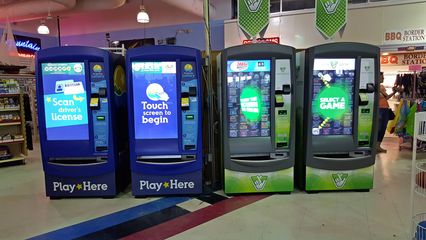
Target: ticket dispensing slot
184, 101
279, 99
363, 99
192, 91
94, 101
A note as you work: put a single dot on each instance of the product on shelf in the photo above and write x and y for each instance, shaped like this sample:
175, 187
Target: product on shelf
4, 153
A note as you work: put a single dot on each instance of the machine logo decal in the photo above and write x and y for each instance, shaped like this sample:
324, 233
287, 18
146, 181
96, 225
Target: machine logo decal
253, 5
155, 92
172, 184
330, 6
239, 66
339, 179
259, 182
84, 186
188, 67
97, 68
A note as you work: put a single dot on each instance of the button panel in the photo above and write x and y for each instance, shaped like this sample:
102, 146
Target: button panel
99, 107
189, 105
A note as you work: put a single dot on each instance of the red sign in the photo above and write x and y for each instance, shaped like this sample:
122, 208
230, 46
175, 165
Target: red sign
416, 68
274, 40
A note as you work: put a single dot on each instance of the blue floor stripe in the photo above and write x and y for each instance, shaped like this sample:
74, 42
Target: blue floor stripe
97, 224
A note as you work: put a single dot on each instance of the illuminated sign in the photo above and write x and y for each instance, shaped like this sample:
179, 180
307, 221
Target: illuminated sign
27, 46
274, 40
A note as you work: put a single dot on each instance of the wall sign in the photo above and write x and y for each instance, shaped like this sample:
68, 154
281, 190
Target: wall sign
330, 16
27, 46
415, 58
405, 36
253, 16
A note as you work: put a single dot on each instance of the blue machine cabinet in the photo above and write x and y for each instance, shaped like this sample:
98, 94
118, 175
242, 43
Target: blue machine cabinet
164, 97
82, 106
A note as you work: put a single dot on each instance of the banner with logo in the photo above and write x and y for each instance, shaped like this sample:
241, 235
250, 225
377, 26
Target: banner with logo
323, 180
253, 16
239, 182
330, 16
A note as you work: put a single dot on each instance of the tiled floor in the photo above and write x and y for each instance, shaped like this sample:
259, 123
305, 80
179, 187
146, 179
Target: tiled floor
380, 214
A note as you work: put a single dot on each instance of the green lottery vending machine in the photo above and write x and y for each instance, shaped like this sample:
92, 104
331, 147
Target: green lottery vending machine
256, 103
337, 111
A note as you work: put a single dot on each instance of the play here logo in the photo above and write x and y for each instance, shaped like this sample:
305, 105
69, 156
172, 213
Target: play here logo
172, 184
85, 186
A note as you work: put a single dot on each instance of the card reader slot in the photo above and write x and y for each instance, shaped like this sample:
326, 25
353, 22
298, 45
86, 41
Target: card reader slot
343, 156
257, 159
78, 161
166, 160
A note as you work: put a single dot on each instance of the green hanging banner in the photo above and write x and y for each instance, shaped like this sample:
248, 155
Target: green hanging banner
253, 16
330, 16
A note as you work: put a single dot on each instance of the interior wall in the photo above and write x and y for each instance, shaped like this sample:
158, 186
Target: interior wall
195, 38
365, 25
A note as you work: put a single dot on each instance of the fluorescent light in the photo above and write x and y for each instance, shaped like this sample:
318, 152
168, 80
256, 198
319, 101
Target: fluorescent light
43, 29
385, 54
143, 16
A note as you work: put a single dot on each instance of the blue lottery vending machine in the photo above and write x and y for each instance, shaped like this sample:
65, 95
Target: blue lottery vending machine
165, 125
82, 114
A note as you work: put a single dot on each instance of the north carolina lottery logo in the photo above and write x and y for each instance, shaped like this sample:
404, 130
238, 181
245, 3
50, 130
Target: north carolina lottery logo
172, 184
97, 68
188, 67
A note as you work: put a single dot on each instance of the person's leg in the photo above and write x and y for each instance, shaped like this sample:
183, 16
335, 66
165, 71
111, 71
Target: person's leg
383, 123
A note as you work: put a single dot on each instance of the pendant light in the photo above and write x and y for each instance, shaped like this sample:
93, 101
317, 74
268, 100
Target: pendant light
142, 16
43, 29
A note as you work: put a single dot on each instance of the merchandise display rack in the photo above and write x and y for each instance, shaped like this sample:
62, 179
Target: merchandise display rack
418, 182
13, 145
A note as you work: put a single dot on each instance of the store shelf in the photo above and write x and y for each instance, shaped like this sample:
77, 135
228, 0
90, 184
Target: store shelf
21, 140
9, 95
10, 123
13, 159
9, 109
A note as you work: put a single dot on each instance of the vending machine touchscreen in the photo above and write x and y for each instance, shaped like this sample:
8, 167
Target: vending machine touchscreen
332, 97
249, 107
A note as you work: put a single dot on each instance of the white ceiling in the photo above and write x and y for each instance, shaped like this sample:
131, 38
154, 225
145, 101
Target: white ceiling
122, 18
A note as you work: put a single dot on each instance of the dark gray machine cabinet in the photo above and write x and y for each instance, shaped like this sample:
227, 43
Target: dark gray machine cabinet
352, 151
261, 154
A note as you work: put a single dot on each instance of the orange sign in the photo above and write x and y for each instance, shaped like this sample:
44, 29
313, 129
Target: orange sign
417, 58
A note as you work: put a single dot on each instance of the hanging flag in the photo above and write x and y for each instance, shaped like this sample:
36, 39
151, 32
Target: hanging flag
253, 16
330, 16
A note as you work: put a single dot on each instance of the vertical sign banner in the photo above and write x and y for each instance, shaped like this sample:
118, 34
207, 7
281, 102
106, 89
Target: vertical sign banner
330, 16
253, 16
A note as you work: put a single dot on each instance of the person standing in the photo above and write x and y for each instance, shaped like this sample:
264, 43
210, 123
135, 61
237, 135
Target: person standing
383, 113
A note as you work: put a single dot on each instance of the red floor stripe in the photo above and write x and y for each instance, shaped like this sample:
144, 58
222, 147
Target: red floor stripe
188, 221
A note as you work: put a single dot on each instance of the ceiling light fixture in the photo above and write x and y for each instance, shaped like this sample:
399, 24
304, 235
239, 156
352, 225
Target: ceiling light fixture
143, 16
43, 29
